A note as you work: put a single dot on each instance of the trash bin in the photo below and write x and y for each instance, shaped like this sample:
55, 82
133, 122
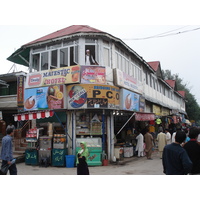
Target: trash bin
70, 160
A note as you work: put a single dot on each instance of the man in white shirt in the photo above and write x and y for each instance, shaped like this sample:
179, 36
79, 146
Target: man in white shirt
168, 136
89, 60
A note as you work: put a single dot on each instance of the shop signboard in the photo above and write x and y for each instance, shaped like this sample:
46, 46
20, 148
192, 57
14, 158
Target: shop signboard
157, 110
129, 100
165, 112
144, 117
42, 98
60, 76
92, 96
126, 81
93, 75
20, 93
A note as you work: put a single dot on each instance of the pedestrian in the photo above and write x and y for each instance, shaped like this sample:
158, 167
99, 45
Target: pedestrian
148, 139
82, 157
7, 151
193, 150
162, 142
10, 125
175, 158
168, 136
173, 137
140, 144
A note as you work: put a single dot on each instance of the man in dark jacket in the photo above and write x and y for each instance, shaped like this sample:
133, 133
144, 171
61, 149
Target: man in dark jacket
193, 150
7, 152
175, 158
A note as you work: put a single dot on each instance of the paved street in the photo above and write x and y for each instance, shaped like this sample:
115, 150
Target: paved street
130, 166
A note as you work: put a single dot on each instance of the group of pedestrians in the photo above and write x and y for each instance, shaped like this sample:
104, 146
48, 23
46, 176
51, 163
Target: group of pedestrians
180, 154
144, 144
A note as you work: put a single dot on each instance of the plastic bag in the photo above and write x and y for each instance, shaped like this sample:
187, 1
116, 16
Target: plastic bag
4, 169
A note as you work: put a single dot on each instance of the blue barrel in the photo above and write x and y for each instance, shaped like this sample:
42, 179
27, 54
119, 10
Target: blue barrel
70, 161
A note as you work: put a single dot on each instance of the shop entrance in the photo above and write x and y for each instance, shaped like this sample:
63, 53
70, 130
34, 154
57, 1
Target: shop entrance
124, 124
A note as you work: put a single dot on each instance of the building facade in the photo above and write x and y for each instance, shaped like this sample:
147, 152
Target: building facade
97, 88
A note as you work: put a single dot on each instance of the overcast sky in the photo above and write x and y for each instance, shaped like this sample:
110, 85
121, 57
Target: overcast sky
178, 53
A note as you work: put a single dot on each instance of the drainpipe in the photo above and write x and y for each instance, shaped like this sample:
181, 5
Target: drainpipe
74, 133
108, 137
112, 136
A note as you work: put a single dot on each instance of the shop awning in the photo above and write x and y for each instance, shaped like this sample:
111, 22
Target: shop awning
144, 116
33, 115
20, 56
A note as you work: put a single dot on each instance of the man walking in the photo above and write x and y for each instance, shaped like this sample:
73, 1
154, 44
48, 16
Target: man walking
162, 141
148, 139
175, 158
7, 151
193, 150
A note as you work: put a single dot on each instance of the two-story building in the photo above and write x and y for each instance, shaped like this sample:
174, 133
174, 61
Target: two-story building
94, 86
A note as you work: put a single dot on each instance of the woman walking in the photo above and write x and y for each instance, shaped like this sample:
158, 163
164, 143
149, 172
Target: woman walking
82, 157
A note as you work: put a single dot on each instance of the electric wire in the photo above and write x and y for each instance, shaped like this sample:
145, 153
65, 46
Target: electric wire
165, 34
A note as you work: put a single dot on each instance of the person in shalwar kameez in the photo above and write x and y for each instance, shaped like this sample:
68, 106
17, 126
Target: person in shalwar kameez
162, 142
148, 139
140, 144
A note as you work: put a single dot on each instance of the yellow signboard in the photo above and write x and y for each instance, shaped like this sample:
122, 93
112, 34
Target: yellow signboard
92, 96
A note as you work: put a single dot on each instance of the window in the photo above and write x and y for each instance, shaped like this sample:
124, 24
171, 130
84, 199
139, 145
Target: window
90, 53
11, 90
44, 61
106, 56
64, 57
54, 59
55, 55
36, 62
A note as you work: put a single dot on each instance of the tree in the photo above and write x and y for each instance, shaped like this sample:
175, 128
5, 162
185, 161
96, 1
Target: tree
192, 107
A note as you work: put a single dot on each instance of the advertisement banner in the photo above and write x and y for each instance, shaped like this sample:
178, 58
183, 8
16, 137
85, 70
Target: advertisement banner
60, 76
93, 74
157, 110
92, 96
44, 98
126, 81
129, 100
20, 93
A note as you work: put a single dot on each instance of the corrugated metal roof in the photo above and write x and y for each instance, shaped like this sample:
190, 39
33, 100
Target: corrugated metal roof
65, 32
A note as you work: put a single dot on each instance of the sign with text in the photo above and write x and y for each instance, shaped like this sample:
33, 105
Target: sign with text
92, 96
20, 93
93, 74
126, 81
60, 76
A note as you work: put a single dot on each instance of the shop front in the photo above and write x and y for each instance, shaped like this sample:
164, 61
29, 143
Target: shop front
91, 108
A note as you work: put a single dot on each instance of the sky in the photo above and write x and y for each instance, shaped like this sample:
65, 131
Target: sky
23, 21
133, 24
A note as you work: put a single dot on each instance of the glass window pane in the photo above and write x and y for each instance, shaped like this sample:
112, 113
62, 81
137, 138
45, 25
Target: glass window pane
54, 59
44, 61
64, 57
35, 61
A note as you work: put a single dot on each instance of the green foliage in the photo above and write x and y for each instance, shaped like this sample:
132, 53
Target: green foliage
192, 107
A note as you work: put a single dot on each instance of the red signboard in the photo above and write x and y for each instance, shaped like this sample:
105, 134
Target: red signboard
144, 117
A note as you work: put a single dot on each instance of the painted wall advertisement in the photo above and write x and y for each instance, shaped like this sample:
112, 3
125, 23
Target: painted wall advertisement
126, 81
93, 75
44, 98
131, 101
60, 76
92, 96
